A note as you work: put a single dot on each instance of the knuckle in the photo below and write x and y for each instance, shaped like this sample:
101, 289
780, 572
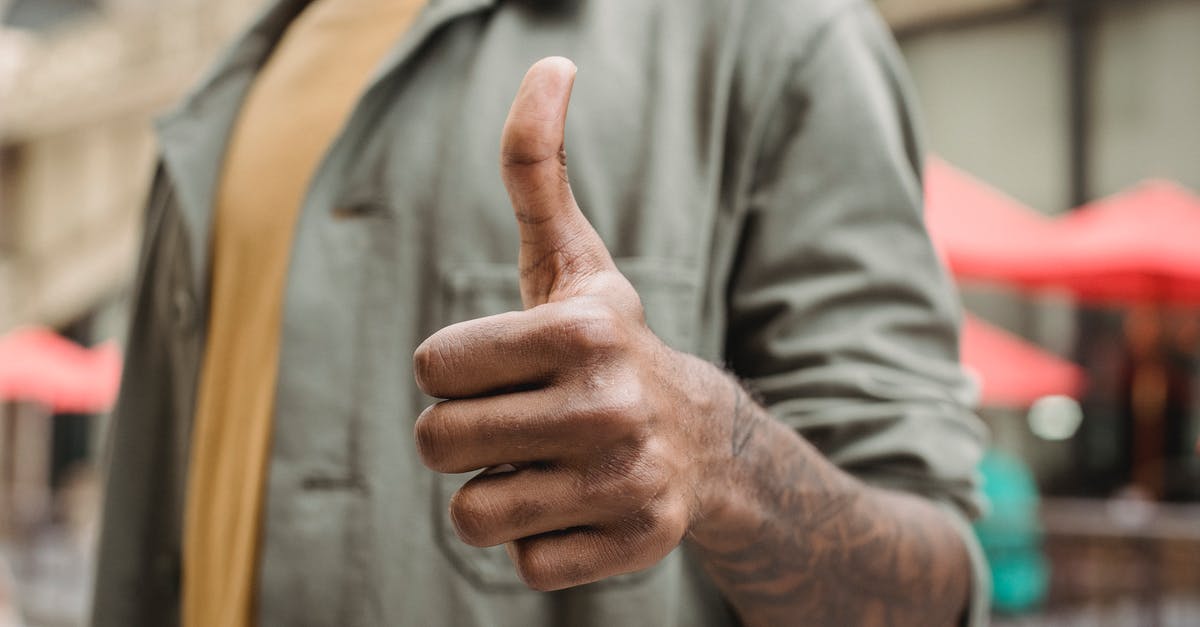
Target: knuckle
666, 524
679, 518
613, 406
624, 405
659, 520
594, 327
646, 479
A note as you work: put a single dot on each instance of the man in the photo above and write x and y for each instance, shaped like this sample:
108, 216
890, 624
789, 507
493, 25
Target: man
745, 192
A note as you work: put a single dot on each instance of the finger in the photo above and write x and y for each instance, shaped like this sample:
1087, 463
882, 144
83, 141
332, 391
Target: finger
558, 560
493, 509
559, 248
516, 349
553, 424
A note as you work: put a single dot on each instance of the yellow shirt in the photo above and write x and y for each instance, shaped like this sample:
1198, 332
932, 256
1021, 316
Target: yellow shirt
291, 115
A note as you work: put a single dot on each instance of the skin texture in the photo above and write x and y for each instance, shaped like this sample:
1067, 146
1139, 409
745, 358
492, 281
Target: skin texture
606, 449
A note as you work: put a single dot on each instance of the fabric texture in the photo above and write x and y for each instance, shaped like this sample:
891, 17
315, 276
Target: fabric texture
754, 168
291, 115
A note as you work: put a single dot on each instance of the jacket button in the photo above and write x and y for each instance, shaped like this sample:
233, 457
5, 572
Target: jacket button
183, 310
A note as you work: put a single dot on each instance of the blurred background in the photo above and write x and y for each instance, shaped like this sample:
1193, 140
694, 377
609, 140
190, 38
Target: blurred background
1067, 145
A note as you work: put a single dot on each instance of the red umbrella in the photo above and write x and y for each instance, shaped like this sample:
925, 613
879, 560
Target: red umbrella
1138, 246
40, 366
1142, 245
1014, 373
981, 233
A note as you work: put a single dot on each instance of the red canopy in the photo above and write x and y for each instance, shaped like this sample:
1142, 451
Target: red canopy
1139, 246
1013, 372
1142, 245
981, 233
40, 366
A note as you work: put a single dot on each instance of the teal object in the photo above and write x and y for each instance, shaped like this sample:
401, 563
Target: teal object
1011, 534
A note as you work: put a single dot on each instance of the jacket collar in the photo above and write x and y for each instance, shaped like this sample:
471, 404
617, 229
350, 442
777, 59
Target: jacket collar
193, 136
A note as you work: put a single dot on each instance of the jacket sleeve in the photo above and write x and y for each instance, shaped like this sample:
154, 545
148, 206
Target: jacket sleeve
841, 316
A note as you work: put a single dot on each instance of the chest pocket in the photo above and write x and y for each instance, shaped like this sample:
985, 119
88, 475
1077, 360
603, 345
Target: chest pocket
670, 292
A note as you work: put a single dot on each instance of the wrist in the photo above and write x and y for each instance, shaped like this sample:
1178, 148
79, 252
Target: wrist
725, 493
757, 460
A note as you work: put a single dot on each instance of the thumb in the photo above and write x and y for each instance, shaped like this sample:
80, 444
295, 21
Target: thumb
559, 248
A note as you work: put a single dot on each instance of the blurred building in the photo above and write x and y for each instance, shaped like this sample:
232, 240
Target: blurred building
80, 81
77, 145
1058, 103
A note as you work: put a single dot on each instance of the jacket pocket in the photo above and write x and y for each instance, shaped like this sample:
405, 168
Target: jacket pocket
670, 292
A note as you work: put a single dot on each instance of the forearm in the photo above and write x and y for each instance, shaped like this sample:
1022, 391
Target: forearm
793, 538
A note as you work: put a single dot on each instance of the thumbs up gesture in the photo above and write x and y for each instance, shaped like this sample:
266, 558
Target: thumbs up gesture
594, 434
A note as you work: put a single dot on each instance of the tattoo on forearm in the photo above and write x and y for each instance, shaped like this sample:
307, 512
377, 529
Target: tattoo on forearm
826, 550
744, 421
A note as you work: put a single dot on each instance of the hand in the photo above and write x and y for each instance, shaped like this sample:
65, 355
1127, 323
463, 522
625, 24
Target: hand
595, 433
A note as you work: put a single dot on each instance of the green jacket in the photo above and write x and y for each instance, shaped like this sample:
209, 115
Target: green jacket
754, 168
